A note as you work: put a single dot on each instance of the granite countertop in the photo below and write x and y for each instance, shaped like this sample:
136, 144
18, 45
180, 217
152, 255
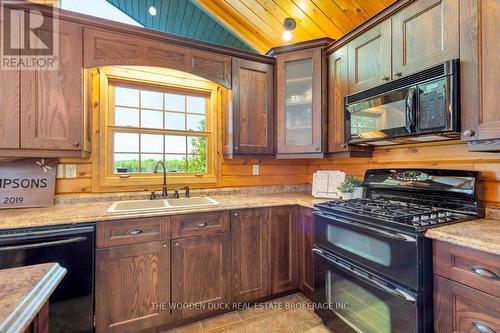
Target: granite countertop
70, 213
23, 292
480, 234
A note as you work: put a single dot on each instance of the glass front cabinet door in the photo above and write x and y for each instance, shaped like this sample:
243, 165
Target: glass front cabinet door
301, 114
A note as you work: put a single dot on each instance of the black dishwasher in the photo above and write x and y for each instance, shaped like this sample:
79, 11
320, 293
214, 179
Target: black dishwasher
71, 306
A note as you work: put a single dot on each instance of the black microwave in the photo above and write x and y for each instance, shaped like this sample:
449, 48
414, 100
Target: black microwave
417, 108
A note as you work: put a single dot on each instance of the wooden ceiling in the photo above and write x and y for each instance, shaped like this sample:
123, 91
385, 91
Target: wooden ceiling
260, 22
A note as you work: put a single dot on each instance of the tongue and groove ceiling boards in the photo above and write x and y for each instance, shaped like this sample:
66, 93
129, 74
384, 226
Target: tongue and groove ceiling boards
260, 22
183, 18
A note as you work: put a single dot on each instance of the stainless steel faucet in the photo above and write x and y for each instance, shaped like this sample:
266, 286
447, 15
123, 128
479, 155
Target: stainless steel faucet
164, 193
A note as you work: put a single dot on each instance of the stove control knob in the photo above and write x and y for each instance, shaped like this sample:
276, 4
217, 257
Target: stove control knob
424, 217
448, 214
441, 214
424, 223
415, 219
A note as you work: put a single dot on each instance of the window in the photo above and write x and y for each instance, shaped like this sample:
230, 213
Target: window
151, 125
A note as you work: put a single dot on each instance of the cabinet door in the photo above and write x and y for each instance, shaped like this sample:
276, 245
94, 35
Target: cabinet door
200, 274
253, 108
9, 111
52, 100
132, 287
424, 34
480, 65
249, 254
283, 243
305, 256
458, 308
300, 101
337, 86
369, 58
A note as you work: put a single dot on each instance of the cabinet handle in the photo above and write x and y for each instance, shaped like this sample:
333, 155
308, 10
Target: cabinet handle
235, 214
164, 245
316, 147
236, 148
484, 272
76, 144
176, 244
344, 145
202, 224
386, 77
134, 232
397, 73
469, 133
482, 327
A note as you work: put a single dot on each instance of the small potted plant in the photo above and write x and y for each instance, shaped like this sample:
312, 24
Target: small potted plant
351, 188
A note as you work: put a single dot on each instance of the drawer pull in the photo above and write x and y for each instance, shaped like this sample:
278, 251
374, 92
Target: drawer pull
201, 224
484, 272
482, 327
134, 232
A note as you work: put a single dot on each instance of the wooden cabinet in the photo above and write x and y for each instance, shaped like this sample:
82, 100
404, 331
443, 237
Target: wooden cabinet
466, 289
424, 34
200, 274
251, 118
301, 103
43, 113
337, 90
369, 58
132, 287
305, 255
458, 308
283, 245
250, 254
480, 82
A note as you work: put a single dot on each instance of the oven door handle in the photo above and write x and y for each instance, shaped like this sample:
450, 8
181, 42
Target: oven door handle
393, 291
42, 244
387, 234
410, 109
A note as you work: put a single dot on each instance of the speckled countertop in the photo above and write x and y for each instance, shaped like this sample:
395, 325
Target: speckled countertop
481, 234
23, 292
97, 211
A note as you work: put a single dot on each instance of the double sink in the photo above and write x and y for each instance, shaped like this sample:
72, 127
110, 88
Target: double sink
163, 204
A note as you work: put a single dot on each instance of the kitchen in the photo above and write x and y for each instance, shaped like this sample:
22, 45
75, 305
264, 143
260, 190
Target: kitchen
160, 176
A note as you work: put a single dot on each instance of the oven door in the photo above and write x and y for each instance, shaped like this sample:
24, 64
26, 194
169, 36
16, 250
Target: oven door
389, 253
349, 299
389, 115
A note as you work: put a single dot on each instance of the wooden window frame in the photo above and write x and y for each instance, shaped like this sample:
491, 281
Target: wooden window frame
102, 159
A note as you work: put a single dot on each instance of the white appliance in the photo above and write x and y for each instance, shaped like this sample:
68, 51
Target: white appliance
325, 183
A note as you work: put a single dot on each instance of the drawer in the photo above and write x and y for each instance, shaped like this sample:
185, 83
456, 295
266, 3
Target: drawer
132, 231
199, 224
471, 267
458, 308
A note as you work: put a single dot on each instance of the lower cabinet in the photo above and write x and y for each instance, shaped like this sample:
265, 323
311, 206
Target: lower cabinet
283, 243
200, 275
458, 308
132, 287
305, 256
250, 254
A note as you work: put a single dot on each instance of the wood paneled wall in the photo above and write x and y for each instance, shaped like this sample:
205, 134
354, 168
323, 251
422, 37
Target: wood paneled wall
280, 172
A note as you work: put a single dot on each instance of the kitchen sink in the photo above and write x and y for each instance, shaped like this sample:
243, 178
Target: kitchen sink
163, 204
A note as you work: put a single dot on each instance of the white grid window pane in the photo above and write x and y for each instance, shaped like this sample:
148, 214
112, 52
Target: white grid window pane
174, 102
151, 143
151, 119
175, 121
126, 117
149, 161
196, 104
126, 142
175, 144
126, 97
196, 123
197, 145
124, 163
176, 163
151, 100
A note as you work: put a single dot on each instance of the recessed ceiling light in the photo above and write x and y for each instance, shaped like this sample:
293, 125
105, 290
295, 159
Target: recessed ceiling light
152, 11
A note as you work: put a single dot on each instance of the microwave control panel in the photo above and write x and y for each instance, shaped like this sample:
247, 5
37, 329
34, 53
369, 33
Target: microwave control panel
432, 105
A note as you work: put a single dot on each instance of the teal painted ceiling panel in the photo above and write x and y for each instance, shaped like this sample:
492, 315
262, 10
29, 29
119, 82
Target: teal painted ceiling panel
182, 18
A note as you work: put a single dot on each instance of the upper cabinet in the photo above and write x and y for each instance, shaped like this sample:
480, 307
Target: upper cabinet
424, 34
301, 103
370, 58
480, 79
250, 119
43, 111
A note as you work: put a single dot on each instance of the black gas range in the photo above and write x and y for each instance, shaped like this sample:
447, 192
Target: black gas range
373, 265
